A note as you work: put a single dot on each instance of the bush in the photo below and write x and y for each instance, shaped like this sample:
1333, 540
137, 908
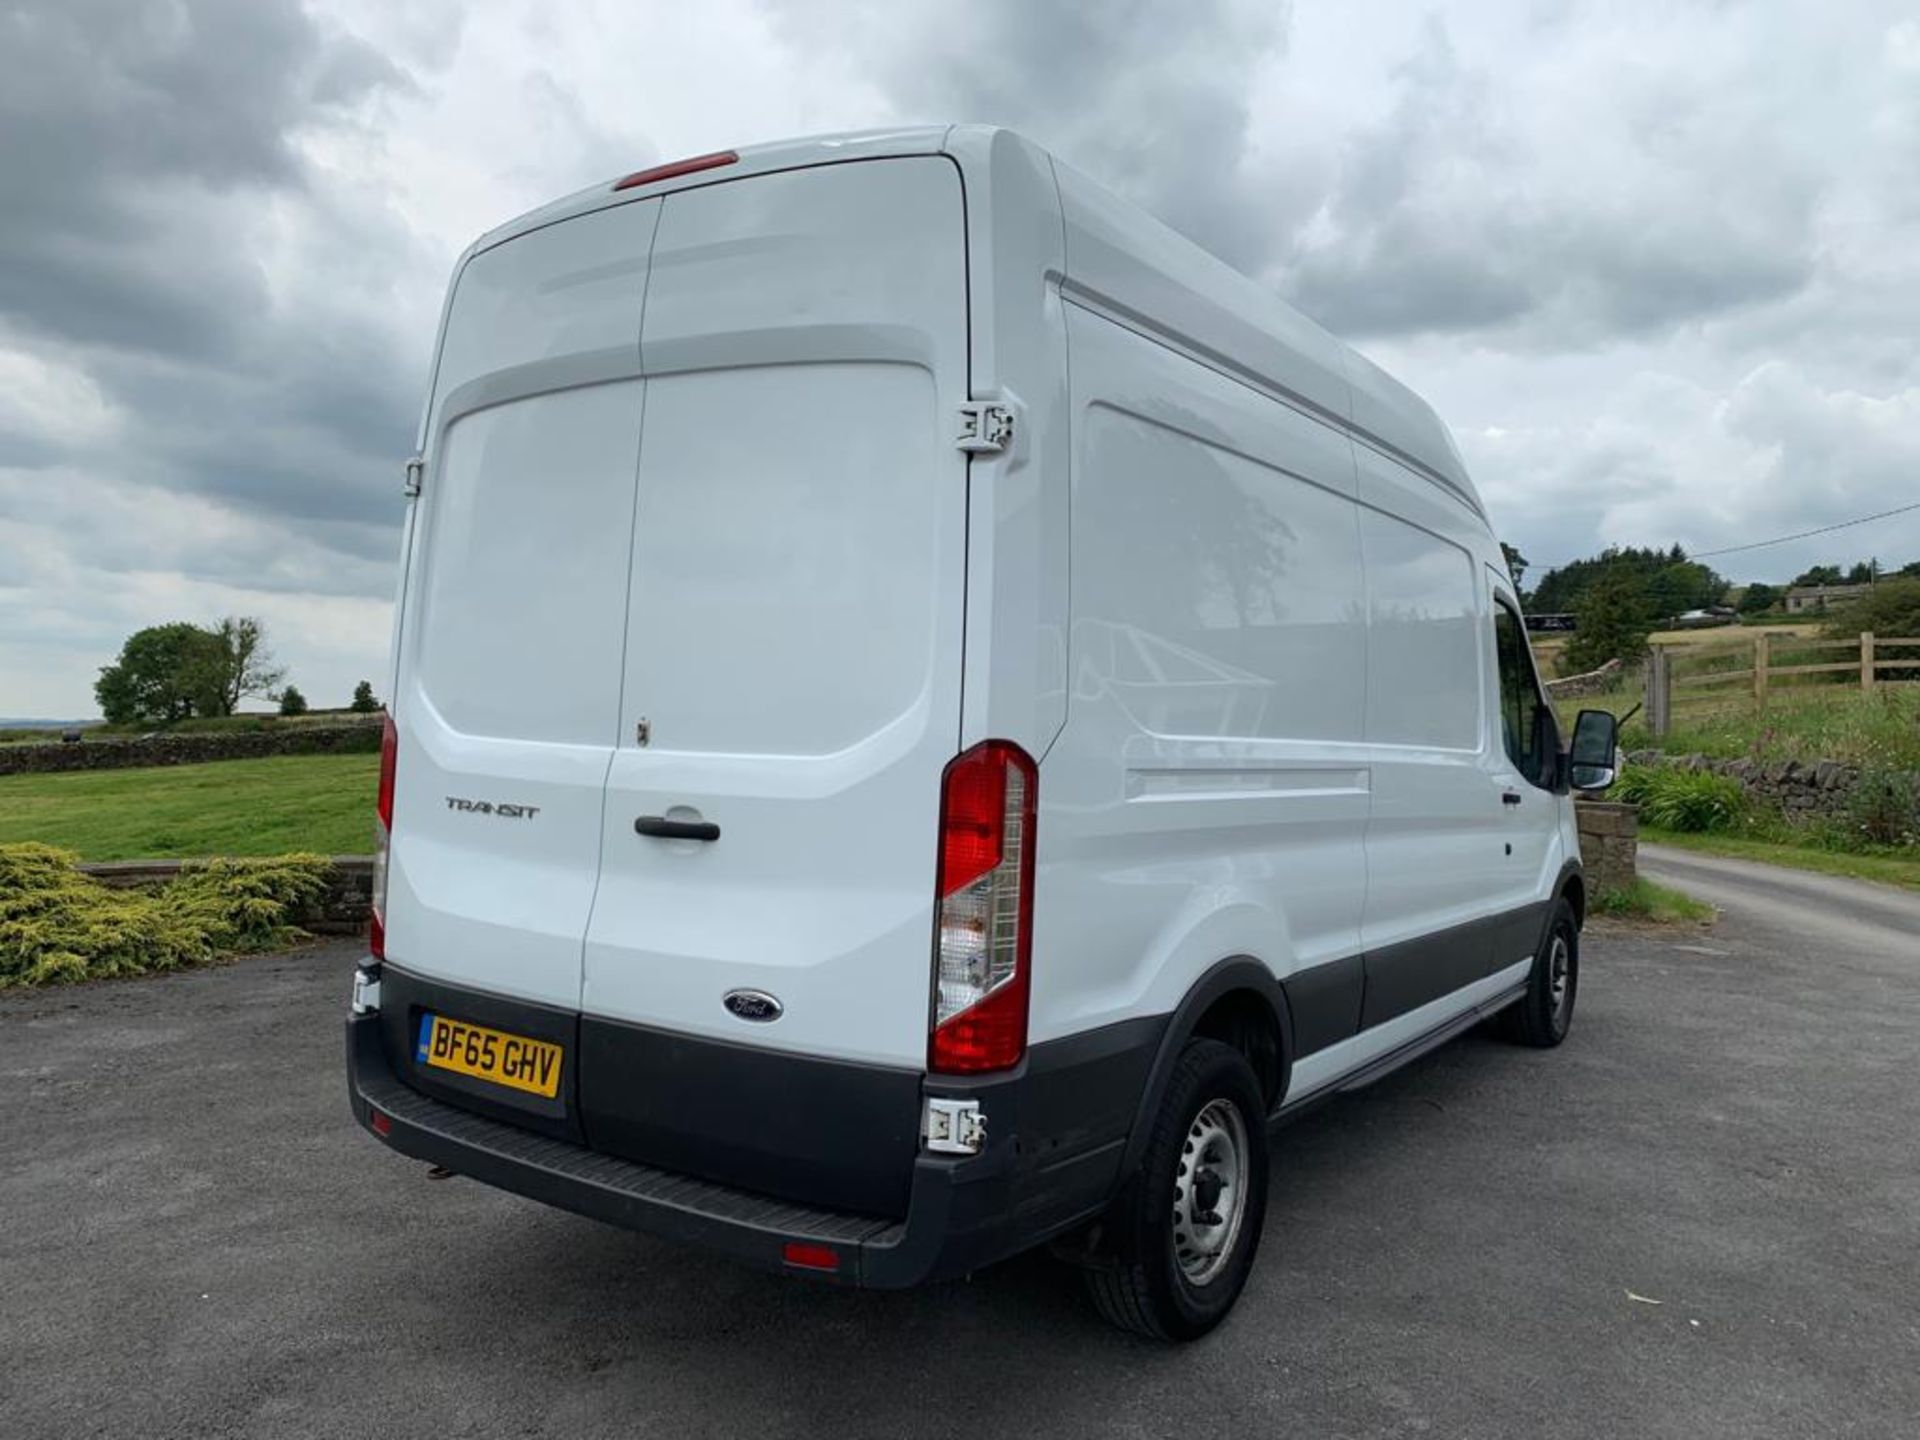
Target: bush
1693, 800
58, 925
292, 702
1884, 808
1890, 609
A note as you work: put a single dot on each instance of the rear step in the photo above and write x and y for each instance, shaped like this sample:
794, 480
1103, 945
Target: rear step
605, 1187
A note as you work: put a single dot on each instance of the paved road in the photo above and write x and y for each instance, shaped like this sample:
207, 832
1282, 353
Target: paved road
195, 1241
1827, 912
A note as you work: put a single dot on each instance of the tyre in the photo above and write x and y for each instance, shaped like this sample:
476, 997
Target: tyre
1543, 1015
1181, 1238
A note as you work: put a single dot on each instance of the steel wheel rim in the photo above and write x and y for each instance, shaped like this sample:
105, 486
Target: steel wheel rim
1210, 1191
1560, 975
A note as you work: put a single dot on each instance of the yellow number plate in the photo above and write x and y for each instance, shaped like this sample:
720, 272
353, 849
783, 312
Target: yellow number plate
511, 1060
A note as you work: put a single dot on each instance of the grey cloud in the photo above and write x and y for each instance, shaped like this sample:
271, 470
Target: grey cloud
148, 146
1150, 96
1447, 216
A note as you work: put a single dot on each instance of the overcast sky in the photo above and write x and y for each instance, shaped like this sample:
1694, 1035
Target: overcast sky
1657, 264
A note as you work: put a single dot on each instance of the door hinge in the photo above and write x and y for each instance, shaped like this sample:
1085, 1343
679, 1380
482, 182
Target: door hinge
415, 471
986, 427
955, 1127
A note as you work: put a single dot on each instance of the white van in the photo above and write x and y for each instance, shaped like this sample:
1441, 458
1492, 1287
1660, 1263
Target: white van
927, 712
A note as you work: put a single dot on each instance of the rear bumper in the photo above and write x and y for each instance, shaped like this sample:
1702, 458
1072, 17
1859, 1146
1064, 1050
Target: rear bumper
1051, 1162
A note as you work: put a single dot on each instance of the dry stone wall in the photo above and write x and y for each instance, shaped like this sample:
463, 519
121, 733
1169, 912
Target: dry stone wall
191, 748
342, 908
1803, 789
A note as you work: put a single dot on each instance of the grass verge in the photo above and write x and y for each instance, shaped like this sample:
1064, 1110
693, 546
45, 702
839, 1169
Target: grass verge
1885, 869
271, 806
1656, 904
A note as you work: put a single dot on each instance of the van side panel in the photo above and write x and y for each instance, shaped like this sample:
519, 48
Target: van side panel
507, 689
1209, 788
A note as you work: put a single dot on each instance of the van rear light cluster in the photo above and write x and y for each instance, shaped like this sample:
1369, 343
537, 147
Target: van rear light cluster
984, 935
382, 839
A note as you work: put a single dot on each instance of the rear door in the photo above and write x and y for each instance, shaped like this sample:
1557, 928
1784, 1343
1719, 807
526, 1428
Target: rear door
794, 620
515, 621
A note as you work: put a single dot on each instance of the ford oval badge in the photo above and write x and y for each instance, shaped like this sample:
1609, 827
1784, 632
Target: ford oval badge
755, 1005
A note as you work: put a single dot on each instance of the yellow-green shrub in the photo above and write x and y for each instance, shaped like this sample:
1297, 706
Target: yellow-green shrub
59, 925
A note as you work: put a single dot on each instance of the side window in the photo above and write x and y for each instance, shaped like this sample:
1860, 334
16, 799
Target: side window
1526, 723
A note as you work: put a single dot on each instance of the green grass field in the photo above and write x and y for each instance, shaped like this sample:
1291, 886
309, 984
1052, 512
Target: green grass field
1825, 723
272, 806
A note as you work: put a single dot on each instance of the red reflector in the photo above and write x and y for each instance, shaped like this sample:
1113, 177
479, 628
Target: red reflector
382, 1122
973, 815
678, 167
811, 1257
990, 1035
376, 936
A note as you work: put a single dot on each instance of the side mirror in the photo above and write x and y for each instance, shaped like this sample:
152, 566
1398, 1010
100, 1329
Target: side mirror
1590, 759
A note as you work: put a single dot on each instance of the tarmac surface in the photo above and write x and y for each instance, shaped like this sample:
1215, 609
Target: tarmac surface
1698, 1217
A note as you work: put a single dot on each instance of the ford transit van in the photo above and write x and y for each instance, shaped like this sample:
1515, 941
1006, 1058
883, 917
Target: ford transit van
928, 715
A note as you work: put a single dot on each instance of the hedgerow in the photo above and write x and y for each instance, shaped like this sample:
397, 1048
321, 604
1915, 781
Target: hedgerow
58, 925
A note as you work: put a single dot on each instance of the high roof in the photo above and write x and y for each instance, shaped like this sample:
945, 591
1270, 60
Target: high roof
1122, 260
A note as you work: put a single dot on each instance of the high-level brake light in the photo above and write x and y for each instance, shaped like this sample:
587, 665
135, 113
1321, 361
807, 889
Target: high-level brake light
677, 168
985, 896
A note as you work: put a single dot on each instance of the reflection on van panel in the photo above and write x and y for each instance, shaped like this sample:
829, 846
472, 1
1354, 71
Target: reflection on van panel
903, 584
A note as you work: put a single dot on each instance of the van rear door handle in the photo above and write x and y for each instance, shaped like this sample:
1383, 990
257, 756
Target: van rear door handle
1509, 797
661, 828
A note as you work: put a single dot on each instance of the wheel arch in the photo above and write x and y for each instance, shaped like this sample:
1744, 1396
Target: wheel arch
1237, 1000
1571, 886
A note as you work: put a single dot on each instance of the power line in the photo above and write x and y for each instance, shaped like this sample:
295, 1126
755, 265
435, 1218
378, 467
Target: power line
1802, 535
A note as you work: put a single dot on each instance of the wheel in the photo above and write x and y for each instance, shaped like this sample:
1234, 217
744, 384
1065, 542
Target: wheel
1542, 1016
1182, 1236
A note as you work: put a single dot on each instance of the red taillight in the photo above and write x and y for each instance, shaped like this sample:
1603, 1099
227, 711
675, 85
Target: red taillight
389, 753
677, 168
382, 839
985, 920
810, 1257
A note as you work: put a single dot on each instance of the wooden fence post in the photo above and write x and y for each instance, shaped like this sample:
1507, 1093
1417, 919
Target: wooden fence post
1866, 660
1659, 683
1762, 658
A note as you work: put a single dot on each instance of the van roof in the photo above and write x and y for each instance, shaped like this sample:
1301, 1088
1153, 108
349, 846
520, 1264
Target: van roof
1129, 265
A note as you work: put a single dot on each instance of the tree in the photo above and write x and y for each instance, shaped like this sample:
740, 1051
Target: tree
1759, 599
164, 673
363, 699
1671, 582
1863, 573
1614, 618
1891, 608
1818, 575
1516, 567
244, 664
1910, 569
292, 702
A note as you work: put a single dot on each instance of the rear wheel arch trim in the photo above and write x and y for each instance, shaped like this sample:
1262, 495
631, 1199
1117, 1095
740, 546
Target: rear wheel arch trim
1238, 972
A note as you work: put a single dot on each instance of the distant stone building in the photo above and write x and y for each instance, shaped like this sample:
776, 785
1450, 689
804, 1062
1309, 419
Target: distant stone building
1802, 599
